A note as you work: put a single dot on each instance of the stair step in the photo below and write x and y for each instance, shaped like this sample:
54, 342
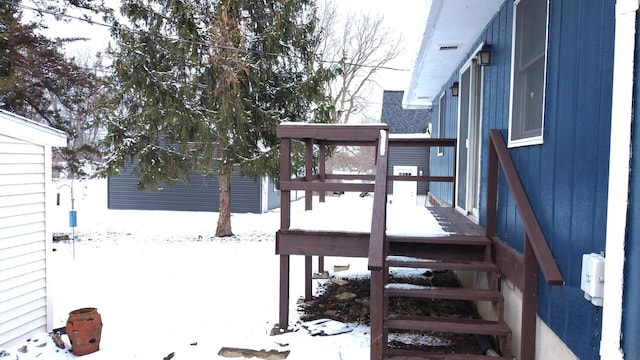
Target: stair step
417, 291
393, 354
409, 262
447, 240
450, 325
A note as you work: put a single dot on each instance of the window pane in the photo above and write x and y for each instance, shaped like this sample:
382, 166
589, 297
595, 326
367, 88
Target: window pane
532, 21
528, 69
533, 99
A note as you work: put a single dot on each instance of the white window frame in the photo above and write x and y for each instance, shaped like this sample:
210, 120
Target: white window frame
441, 112
535, 139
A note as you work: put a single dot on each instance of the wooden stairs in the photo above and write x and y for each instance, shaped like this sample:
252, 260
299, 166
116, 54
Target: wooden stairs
460, 253
469, 250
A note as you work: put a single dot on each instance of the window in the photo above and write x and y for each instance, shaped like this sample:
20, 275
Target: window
441, 111
528, 72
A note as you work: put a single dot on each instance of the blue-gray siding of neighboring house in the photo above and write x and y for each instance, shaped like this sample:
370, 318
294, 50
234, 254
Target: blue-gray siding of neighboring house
406, 121
200, 195
565, 178
631, 310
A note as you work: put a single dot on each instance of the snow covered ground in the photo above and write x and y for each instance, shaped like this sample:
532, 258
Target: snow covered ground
164, 284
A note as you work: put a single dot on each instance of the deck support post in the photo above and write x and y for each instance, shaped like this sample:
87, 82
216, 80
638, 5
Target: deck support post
285, 221
322, 168
308, 169
376, 318
492, 192
283, 321
322, 164
529, 303
308, 276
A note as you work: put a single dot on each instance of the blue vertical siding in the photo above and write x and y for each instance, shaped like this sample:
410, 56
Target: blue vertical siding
566, 177
631, 311
442, 165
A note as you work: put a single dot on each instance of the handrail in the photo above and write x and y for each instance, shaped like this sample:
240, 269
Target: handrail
534, 234
379, 216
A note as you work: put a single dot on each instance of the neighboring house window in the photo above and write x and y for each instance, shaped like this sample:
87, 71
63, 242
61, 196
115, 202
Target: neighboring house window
441, 110
528, 72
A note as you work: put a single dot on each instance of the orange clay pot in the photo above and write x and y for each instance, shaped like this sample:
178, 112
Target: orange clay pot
84, 327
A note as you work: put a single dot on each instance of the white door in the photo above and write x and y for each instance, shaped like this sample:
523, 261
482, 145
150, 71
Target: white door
405, 192
469, 139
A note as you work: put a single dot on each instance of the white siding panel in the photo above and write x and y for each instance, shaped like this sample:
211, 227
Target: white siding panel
34, 257
25, 177
22, 159
22, 274
23, 288
22, 168
28, 229
18, 251
29, 323
29, 311
21, 239
21, 189
8, 149
18, 179
22, 284
22, 304
21, 199
35, 219
21, 210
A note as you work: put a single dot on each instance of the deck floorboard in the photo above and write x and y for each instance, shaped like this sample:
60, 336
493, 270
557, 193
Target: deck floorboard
453, 222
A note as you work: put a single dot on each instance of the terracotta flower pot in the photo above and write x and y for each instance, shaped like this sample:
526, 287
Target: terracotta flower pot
84, 327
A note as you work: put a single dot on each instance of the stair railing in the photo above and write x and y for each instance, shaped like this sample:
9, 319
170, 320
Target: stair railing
536, 249
377, 249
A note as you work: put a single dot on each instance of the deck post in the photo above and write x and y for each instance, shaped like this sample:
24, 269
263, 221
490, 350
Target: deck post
455, 174
376, 318
308, 171
529, 303
308, 205
322, 161
284, 292
492, 192
322, 168
285, 222
308, 270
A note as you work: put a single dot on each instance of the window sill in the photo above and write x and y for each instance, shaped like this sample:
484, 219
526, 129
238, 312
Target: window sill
538, 140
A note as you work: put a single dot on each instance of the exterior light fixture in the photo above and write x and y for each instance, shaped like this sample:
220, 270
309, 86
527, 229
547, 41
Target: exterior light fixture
454, 89
484, 55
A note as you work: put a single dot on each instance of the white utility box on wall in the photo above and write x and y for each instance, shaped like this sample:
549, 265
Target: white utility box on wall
592, 280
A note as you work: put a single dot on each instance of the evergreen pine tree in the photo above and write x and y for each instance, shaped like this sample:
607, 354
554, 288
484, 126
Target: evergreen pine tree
203, 84
37, 81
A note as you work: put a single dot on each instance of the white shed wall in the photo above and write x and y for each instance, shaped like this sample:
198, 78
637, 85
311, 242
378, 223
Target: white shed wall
25, 173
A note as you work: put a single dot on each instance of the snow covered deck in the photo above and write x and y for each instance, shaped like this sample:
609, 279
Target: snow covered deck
341, 226
352, 213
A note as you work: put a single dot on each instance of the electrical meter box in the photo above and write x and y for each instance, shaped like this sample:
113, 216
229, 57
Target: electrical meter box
592, 278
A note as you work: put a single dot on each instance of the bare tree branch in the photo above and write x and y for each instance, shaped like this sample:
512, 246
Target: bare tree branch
362, 45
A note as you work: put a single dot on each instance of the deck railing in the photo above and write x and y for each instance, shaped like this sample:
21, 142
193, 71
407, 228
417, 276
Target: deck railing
536, 249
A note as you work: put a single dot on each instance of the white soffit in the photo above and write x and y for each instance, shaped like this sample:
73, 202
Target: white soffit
453, 27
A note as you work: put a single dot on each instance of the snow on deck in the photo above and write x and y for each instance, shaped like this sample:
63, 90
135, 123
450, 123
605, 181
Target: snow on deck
352, 213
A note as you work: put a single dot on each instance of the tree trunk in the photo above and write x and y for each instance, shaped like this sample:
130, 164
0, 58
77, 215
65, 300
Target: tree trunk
224, 216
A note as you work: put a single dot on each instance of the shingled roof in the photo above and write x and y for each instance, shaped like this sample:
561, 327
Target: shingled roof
400, 120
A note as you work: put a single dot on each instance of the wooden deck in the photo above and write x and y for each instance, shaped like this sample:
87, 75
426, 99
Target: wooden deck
467, 246
452, 221
356, 244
